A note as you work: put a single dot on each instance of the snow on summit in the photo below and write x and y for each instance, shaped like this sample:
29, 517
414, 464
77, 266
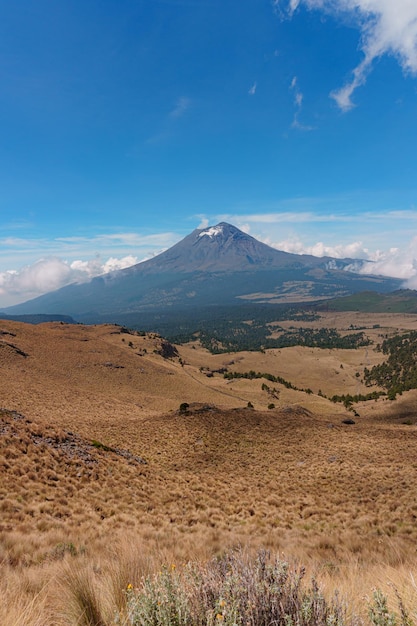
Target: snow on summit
212, 232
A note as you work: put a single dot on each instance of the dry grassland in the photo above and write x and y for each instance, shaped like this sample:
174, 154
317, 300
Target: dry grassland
294, 479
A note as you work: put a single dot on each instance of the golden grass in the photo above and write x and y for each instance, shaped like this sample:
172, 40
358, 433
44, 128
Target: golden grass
293, 479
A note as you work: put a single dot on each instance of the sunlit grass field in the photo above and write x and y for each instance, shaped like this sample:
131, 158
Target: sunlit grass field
105, 481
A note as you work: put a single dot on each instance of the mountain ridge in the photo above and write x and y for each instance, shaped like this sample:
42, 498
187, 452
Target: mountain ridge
226, 248
211, 266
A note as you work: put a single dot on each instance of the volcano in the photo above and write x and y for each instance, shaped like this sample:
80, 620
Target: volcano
219, 265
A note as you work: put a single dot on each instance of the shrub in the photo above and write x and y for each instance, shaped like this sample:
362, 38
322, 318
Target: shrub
232, 590
380, 615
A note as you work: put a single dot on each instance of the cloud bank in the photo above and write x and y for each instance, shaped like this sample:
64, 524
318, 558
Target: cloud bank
395, 262
354, 250
386, 26
53, 273
50, 264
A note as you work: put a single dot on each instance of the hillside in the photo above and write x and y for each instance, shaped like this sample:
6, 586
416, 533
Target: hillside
62, 487
113, 438
60, 372
106, 384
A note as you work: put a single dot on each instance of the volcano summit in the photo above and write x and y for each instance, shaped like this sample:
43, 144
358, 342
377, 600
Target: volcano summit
219, 265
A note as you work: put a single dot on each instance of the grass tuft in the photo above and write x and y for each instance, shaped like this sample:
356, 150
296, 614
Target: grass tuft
84, 606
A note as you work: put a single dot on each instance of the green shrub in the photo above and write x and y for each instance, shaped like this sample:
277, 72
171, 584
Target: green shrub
101, 446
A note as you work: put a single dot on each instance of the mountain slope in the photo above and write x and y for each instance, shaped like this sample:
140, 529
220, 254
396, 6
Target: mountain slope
211, 266
223, 248
401, 301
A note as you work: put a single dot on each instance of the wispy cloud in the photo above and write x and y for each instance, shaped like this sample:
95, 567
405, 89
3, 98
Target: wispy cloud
298, 104
169, 122
16, 225
386, 26
181, 107
100, 253
299, 216
290, 217
290, 7
130, 240
252, 89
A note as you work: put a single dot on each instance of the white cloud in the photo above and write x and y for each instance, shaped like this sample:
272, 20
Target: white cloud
353, 250
52, 273
291, 5
96, 267
343, 96
387, 27
395, 262
252, 89
398, 262
204, 223
53, 263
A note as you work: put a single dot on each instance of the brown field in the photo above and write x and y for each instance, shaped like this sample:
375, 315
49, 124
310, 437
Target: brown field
294, 479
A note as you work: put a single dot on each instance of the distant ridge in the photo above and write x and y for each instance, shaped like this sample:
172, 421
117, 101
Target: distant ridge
38, 318
401, 301
219, 265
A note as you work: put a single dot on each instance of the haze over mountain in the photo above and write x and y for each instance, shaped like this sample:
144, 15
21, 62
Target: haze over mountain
212, 266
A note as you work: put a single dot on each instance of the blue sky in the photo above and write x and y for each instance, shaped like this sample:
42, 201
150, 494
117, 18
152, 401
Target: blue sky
125, 124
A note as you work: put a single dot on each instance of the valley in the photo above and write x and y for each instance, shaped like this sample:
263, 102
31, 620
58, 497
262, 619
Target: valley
115, 440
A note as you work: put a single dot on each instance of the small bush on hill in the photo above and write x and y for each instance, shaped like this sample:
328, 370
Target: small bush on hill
232, 590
